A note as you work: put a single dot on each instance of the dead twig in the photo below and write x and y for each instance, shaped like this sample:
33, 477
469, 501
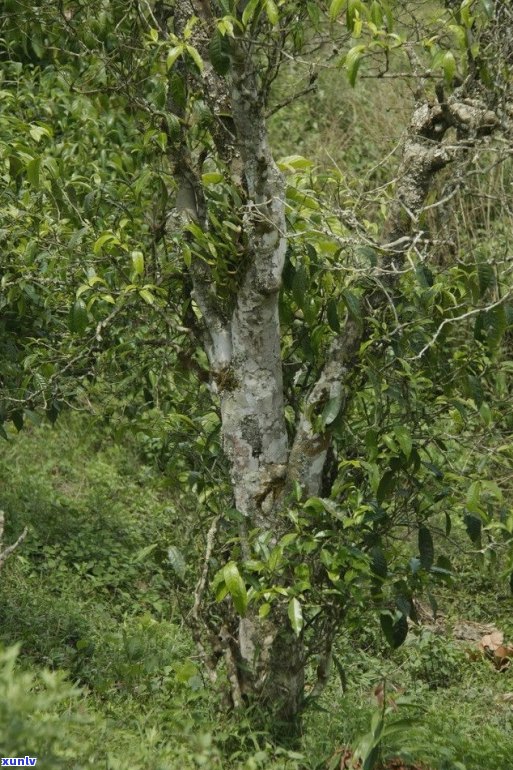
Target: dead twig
6, 552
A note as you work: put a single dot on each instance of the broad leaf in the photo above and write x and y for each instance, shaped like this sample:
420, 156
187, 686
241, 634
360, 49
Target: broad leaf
236, 587
353, 61
395, 629
335, 8
176, 560
78, 318
378, 562
426, 548
295, 615
386, 486
404, 440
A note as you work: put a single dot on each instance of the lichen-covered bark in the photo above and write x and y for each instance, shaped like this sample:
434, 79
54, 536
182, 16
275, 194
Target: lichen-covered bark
255, 442
265, 663
254, 434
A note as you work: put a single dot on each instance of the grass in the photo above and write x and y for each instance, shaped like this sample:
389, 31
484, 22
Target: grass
90, 594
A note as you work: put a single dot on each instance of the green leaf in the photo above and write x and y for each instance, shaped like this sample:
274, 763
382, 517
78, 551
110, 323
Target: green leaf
236, 587
144, 552
403, 604
184, 672
176, 560
147, 296
473, 497
33, 168
37, 132
173, 55
443, 566
78, 318
371, 443
335, 8
295, 615
302, 199
378, 562
488, 7
332, 314
475, 389
220, 590
250, 11
473, 526
485, 277
376, 13
353, 61
331, 410
433, 604
17, 418
369, 254
173, 133
486, 413
218, 53
271, 10
386, 486
138, 262
294, 163
449, 67
275, 558
352, 302
193, 53
212, 177
395, 629
424, 276
497, 324
177, 90
404, 440
371, 756
400, 727
426, 547
434, 469
103, 240
448, 524
300, 285
400, 630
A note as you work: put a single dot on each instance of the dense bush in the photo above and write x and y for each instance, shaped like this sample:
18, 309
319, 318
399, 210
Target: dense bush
37, 713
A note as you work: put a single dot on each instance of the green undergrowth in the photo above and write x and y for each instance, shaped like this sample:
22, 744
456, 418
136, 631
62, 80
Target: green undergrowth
105, 673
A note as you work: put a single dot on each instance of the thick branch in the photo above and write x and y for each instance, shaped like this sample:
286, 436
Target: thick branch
265, 217
190, 206
425, 153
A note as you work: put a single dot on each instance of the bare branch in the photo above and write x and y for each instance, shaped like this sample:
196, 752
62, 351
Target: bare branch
6, 552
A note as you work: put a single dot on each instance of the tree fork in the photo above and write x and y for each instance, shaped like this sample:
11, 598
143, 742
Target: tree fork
265, 658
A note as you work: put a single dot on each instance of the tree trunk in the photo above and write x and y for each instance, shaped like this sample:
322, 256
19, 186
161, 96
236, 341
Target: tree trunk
266, 659
270, 655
